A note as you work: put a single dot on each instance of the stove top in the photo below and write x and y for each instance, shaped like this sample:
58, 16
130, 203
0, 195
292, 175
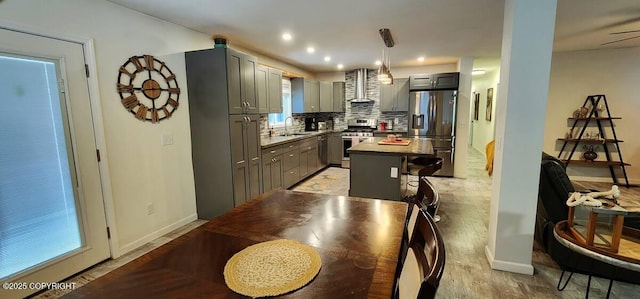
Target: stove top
360, 127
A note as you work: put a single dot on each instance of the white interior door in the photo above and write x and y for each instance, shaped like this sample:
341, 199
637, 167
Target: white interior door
52, 220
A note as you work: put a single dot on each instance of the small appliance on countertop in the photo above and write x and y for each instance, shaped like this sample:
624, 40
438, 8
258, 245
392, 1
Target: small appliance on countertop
322, 125
310, 124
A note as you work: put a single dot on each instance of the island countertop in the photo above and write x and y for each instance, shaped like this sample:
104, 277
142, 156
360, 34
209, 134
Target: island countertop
418, 146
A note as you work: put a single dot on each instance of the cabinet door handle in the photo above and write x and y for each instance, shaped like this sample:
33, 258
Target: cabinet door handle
291, 155
272, 152
273, 159
255, 158
240, 162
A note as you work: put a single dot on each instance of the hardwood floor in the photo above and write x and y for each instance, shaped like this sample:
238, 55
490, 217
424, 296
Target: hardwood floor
464, 211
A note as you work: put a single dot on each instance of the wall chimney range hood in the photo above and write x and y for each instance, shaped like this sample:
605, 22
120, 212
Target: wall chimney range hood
360, 84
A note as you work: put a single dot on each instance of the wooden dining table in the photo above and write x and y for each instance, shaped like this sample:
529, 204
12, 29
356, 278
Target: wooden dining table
358, 239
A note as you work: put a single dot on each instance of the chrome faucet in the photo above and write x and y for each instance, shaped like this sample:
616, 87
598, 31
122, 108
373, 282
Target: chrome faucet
286, 131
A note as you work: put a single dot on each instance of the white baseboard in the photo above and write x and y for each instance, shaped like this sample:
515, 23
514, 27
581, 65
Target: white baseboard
507, 266
156, 234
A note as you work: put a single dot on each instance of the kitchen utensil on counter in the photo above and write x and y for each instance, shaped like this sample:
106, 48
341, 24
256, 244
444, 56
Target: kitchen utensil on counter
383, 126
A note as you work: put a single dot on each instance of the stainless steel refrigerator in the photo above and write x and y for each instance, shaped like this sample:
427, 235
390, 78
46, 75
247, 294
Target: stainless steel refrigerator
432, 114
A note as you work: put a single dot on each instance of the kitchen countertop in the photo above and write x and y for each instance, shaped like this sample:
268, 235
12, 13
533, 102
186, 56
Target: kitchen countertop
391, 131
417, 147
277, 140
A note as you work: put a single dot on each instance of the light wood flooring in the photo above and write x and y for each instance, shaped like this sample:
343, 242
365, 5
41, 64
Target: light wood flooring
464, 211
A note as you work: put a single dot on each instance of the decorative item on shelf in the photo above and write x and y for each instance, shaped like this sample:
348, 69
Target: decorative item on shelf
583, 112
569, 134
600, 107
590, 153
576, 113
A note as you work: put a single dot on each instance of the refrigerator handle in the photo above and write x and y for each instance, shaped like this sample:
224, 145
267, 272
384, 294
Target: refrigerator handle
432, 114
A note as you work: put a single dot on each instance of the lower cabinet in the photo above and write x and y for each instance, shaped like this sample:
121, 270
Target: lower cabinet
245, 156
308, 156
272, 167
291, 177
335, 148
291, 163
285, 165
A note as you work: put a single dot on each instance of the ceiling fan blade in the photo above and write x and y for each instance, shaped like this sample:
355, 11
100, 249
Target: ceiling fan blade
620, 40
623, 32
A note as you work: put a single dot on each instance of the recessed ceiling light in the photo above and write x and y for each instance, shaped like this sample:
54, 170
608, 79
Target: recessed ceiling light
421, 58
310, 50
478, 72
286, 36
327, 58
340, 66
378, 62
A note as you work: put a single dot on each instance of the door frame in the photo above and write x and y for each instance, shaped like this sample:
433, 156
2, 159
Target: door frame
88, 49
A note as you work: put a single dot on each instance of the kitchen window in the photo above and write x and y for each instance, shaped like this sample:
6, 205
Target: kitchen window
277, 119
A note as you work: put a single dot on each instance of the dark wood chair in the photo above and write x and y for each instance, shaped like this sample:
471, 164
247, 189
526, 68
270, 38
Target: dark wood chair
427, 198
425, 260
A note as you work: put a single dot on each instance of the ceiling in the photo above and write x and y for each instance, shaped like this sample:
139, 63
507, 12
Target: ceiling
347, 31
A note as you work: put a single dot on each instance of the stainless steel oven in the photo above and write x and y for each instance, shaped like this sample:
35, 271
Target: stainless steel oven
357, 131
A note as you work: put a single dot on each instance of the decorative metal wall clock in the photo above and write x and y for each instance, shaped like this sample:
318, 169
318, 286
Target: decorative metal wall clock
148, 88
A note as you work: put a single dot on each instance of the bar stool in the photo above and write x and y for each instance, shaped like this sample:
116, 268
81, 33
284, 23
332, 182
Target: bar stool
424, 167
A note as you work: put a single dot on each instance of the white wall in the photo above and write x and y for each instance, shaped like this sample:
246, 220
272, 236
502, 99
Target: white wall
142, 171
483, 130
614, 73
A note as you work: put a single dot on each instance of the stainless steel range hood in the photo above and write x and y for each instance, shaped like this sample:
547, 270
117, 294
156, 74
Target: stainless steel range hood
360, 78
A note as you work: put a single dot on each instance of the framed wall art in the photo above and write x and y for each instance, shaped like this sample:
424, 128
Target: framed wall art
476, 106
489, 104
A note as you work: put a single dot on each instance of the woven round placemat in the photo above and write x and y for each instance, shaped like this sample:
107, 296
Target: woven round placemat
271, 268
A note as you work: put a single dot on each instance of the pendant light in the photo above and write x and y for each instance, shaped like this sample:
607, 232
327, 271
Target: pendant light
384, 71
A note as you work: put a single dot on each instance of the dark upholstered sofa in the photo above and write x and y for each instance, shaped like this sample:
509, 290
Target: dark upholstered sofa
553, 192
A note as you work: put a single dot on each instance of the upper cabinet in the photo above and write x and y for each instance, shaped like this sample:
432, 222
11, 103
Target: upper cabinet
305, 96
241, 76
275, 91
269, 90
326, 96
338, 97
395, 97
262, 88
434, 81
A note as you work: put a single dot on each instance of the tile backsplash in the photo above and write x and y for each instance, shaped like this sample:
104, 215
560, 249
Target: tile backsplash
353, 110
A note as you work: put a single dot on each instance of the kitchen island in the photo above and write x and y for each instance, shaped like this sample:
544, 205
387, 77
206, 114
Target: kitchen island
376, 170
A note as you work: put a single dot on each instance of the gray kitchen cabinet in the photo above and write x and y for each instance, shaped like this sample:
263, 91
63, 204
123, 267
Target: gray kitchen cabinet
434, 81
395, 97
262, 89
241, 78
291, 163
225, 144
335, 148
339, 103
269, 90
291, 177
323, 151
272, 169
308, 156
275, 91
245, 157
326, 96
305, 96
